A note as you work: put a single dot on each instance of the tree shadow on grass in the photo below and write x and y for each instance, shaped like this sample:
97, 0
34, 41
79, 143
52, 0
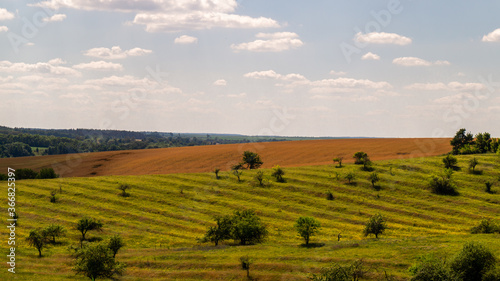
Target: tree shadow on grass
312, 245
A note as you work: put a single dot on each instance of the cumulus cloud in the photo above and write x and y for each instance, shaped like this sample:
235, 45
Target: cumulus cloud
452, 86
116, 53
100, 65
56, 61
55, 18
242, 95
493, 36
220, 82
337, 73
271, 42
5, 15
4, 29
185, 39
273, 75
40, 67
382, 38
413, 61
370, 56
122, 81
171, 15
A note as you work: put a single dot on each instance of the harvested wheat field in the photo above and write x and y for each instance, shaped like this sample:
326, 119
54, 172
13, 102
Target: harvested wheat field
206, 158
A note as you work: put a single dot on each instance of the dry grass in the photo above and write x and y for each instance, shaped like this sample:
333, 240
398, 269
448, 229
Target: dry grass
206, 158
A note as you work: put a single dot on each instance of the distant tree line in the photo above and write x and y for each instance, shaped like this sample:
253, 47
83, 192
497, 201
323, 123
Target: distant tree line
466, 143
20, 142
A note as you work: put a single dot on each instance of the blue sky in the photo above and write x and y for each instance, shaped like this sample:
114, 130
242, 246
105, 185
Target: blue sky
299, 68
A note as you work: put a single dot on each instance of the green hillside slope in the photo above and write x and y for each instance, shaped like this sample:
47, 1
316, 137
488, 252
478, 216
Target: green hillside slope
165, 214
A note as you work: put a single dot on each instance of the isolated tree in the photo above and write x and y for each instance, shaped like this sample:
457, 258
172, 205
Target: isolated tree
483, 142
473, 163
87, 224
374, 178
216, 172
53, 197
450, 162
366, 163
488, 186
259, 176
220, 232
486, 226
461, 139
53, 231
115, 243
124, 188
473, 262
350, 176
278, 173
376, 225
358, 156
307, 227
245, 264
252, 160
37, 239
247, 228
97, 261
338, 160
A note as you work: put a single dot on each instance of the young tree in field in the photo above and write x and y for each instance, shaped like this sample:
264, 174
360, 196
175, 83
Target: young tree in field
374, 178
87, 224
358, 156
54, 231
259, 176
488, 185
245, 264
376, 225
252, 160
247, 228
97, 261
473, 163
216, 172
450, 162
115, 244
278, 173
366, 163
124, 188
237, 173
220, 232
307, 227
461, 139
350, 176
38, 240
338, 160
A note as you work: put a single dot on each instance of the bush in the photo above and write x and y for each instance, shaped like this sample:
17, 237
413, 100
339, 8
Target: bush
329, 196
22, 174
53, 231
473, 262
472, 164
358, 156
338, 160
97, 261
376, 225
4, 177
124, 188
53, 197
450, 162
46, 173
431, 268
350, 176
259, 176
442, 184
485, 226
278, 173
307, 227
374, 178
336, 272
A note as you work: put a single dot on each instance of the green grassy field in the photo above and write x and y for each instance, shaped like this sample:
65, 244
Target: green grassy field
165, 214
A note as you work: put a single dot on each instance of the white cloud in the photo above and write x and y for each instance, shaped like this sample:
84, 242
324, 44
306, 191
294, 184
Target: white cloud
5, 15
55, 18
30, 44
220, 82
4, 29
122, 81
271, 42
56, 61
242, 95
493, 36
116, 53
40, 67
452, 86
413, 61
100, 65
42, 79
273, 75
337, 73
370, 56
185, 39
382, 38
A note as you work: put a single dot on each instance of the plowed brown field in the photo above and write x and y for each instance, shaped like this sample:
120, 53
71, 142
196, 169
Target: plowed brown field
206, 158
